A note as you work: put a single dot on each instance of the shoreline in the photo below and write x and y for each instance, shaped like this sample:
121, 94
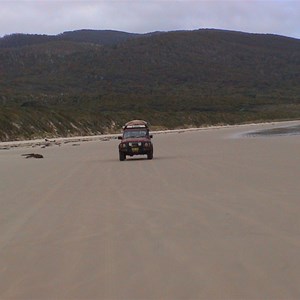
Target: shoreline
107, 137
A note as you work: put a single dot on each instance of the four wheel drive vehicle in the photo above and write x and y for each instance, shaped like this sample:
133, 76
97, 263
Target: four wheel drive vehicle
136, 140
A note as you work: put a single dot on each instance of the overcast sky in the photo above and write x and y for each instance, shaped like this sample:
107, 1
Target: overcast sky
141, 16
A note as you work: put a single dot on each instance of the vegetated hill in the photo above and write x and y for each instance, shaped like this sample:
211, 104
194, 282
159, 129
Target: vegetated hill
172, 79
20, 40
101, 37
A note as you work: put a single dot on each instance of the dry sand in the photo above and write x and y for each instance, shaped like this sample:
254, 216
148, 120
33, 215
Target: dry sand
212, 216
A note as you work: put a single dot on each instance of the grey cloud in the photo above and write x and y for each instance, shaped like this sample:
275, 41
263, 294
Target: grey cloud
52, 17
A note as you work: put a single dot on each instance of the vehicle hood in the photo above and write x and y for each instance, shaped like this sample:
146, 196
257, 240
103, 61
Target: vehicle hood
136, 140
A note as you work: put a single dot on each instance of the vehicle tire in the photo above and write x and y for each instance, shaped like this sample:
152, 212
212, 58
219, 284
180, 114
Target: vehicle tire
150, 155
122, 156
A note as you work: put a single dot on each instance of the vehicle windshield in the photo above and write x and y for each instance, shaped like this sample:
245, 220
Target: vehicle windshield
135, 134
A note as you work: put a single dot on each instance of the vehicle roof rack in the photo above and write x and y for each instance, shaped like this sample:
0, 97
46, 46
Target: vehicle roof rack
136, 124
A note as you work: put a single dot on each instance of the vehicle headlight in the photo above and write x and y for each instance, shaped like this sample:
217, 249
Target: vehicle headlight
147, 144
123, 145
139, 144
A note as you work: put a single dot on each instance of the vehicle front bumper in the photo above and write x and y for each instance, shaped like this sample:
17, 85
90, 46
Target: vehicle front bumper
136, 150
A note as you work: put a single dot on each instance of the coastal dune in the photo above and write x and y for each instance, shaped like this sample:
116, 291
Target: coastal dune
214, 215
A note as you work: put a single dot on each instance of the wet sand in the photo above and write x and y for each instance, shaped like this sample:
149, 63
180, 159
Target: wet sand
215, 215
277, 130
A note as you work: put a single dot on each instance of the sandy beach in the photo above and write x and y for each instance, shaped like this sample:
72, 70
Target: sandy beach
215, 215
